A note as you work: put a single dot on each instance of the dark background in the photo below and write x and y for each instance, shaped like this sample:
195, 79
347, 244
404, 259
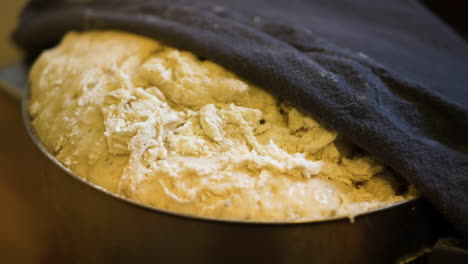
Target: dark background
454, 12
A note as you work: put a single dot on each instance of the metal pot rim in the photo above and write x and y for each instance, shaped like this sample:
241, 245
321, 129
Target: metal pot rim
30, 130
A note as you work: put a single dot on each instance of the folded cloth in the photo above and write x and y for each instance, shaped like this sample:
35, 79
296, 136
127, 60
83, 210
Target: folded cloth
388, 75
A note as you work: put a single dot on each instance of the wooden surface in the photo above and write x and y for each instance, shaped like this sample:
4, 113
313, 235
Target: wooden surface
26, 229
9, 10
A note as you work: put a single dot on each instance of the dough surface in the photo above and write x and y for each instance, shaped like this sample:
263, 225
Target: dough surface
160, 126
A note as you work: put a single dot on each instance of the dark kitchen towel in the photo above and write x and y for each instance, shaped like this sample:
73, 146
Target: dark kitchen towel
388, 75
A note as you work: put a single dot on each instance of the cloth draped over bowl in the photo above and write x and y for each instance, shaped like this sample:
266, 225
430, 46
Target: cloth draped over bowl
388, 75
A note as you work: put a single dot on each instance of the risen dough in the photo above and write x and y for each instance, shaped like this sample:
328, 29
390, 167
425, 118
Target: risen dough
160, 126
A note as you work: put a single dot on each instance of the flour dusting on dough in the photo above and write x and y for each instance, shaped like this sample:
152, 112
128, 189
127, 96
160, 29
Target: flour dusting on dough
158, 125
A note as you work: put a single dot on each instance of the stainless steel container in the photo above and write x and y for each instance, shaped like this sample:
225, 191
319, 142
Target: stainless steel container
96, 226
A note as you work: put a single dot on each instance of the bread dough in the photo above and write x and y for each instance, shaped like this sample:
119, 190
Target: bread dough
161, 126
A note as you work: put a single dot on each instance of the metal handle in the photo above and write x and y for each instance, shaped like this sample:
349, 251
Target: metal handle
13, 79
